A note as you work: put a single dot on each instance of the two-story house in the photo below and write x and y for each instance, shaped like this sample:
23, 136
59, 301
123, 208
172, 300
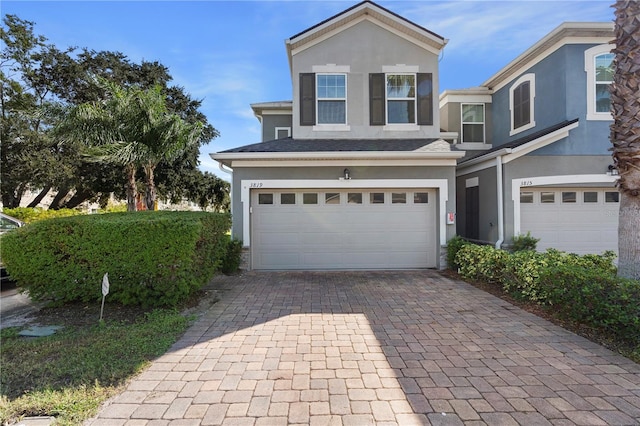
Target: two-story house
542, 125
352, 173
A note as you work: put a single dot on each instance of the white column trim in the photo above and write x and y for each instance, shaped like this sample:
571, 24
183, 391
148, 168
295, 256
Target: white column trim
246, 185
525, 182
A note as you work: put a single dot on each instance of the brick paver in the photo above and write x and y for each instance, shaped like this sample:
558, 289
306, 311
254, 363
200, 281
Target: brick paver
386, 348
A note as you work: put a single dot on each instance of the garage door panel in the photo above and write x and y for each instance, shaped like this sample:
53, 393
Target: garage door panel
344, 236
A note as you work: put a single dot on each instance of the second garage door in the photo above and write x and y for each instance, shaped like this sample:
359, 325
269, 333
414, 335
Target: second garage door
577, 220
343, 229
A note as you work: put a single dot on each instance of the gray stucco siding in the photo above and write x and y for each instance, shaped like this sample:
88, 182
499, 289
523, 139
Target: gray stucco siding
334, 172
365, 48
270, 122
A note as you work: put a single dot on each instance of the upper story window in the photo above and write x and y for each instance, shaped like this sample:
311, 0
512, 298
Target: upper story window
400, 98
521, 96
472, 122
599, 68
332, 98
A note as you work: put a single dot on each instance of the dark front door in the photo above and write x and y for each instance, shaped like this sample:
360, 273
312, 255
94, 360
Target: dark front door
472, 216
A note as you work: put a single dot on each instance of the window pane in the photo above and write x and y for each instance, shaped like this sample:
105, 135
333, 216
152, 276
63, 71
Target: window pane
521, 106
603, 98
526, 197
282, 133
376, 198
473, 113
568, 197
401, 112
611, 197
331, 86
401, 86
354, 197
473, 133
331, 112
590, 197
310, 198
332, 198
548, 197
265, 198
420, 198
287, 198
604, 67
399, 198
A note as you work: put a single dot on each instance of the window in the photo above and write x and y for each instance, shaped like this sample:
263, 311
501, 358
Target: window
400, 98
398, 198
569, 197
611, 197
376, 198
420, 198
310, 198
332, 98
354, 197
323, 97
598, 64
547, 197
265, 198
283, 132
590, 197
332, 198
526, 197
287, 198
472, 122
521, 97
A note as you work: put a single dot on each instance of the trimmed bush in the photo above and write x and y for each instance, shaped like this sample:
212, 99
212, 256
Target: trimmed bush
453, 246
233, 257
30, 215
481, 263
594, 297
153, 258
524, 242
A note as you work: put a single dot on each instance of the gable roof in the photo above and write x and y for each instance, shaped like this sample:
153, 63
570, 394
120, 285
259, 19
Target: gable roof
525, 144
366, 10
565, 33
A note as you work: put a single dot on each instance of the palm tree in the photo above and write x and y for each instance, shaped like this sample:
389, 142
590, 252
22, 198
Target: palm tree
132, 128
625, 132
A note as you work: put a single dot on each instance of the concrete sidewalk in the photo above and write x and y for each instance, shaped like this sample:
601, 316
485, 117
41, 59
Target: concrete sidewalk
385, 348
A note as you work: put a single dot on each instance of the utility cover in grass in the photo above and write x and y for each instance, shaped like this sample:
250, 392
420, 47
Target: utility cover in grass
38, 331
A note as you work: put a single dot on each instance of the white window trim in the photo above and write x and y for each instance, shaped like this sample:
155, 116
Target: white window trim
278, 129
401, 126
590, 68
484, 125
333, 126
246, 186
531, 78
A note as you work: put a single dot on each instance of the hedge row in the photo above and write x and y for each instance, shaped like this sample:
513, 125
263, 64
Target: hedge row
30, 215
153, 258
584, 288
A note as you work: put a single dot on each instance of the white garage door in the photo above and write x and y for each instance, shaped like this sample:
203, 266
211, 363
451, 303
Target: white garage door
577, 220
340, 229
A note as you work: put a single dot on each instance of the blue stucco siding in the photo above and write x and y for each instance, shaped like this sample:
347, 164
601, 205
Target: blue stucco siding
560, 94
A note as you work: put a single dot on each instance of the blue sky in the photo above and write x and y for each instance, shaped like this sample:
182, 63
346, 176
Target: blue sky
231, 53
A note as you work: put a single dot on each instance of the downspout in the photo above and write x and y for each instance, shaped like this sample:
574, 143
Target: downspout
500, 198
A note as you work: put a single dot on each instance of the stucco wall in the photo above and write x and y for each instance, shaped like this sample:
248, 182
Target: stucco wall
269, 124
366, 48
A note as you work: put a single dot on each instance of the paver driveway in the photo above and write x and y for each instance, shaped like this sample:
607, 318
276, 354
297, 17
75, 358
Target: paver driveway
387, 348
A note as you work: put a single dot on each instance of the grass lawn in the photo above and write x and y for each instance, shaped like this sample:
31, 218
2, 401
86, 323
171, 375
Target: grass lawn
70, 374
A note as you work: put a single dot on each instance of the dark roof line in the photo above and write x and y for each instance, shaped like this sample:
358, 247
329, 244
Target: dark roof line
358, 5
333, 145
524, 140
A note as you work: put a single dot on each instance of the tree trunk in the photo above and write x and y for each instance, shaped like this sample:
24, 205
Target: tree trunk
78, 198
39, 197
150, 194
625, 107
130, 187
58, 200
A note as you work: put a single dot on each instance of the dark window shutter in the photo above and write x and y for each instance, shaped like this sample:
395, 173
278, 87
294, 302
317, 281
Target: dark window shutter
376, 99
425, 99
521, 105
307, 99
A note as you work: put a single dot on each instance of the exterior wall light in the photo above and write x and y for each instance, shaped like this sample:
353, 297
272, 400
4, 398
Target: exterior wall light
347, 174
612, 170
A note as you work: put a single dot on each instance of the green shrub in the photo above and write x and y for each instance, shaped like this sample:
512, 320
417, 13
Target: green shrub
153, 258
29, 215
481, 263
595, 297
232, 258
524, 242
453, 246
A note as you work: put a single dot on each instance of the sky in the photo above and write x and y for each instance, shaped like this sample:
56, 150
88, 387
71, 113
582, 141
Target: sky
231, 54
